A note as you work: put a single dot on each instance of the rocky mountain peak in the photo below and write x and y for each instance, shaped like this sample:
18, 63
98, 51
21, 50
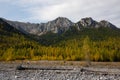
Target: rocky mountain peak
59, 25
87, 19
61, 18
62, 22
87, 23
106, 24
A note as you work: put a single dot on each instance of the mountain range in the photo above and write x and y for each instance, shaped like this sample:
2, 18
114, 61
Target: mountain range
60, 39
59, 25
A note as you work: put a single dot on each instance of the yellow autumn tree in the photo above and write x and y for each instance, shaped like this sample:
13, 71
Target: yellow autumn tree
86, 50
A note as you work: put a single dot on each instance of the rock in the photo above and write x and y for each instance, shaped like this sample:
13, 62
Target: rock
107, 24
87, 22
20, 67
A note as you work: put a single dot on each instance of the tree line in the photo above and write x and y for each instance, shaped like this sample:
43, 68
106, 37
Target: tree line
75, 50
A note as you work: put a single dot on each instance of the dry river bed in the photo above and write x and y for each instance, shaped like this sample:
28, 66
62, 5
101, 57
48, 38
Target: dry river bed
59, 70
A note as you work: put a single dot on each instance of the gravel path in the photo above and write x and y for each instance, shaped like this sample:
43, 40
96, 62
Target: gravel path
8, 72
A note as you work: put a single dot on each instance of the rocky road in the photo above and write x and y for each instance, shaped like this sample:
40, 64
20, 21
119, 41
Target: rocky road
54, 70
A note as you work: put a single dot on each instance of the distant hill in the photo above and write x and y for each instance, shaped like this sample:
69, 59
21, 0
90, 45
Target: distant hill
12, 40
10, 36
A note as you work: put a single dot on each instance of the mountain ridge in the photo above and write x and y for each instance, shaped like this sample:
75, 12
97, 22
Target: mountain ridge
59, 25
103, 41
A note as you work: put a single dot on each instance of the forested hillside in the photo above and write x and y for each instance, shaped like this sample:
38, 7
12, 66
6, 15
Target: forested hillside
100, 44
13, 43
103, 44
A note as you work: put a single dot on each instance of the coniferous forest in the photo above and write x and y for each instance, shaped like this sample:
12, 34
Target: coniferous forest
98, 44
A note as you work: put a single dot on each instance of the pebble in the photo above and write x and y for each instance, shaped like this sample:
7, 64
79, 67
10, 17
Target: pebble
75, 74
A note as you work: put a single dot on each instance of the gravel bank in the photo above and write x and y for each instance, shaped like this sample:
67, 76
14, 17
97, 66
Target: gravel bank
8, 72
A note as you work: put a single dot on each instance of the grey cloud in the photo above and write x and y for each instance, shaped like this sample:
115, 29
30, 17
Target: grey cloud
45, 10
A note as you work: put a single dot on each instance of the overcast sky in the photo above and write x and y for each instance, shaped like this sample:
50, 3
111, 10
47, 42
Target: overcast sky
45, 10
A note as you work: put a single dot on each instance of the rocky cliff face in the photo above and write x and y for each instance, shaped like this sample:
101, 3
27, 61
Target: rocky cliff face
107, 24
90, 23
87, 23
59, 25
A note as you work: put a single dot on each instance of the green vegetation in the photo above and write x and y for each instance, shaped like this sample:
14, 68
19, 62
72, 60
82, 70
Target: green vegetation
101, 44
